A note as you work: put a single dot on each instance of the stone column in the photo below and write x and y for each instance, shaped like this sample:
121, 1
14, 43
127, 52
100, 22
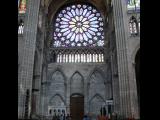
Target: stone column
68, 94
115, 84
40, 66
124, 73
29, 36
86, 104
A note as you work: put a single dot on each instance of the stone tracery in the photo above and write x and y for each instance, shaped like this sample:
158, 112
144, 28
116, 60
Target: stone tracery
78, 25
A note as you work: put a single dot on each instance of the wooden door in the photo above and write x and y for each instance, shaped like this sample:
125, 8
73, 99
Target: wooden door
77, 107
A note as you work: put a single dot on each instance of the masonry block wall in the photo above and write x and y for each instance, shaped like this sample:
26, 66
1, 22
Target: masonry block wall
88, 79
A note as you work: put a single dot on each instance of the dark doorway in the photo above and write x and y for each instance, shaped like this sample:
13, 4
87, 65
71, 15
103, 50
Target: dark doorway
77, 106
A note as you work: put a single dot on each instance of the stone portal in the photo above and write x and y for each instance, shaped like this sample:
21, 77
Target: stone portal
77, 107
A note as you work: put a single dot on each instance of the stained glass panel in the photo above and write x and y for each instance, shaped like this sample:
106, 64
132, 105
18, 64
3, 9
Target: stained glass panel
78, 25
22, 6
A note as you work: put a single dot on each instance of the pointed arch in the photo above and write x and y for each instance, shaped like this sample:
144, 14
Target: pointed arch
57, 70
57, 100
96, 70
77, 83
96, 83
57, 76
78, 73
133, 25
76, 94
57, 82
97, 95
95, 104
20, 26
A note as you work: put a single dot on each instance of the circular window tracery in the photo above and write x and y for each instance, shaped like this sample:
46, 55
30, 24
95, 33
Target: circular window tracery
78, 25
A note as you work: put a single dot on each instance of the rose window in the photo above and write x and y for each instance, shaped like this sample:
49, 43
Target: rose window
78, 25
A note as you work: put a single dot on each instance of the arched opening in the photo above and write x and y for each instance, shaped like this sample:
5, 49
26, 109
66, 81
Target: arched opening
20, 27
96, 84
77, 106
77, 83
133, 26
56, 105
95, 105
77, 35
137, 71
58, 84
79, 26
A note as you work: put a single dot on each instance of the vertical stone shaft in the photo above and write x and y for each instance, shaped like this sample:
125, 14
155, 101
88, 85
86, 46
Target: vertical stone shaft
121, 23
26, 74
115, 84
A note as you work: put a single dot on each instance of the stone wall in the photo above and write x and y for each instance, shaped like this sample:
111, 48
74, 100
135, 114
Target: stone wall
88, 79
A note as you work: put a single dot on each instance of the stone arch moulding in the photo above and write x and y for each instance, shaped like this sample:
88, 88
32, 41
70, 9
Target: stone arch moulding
77, 83
95, 104
96, 95
96, 70
95, 84
57, 83
76, 94
59, 70
133, 55
53, 7
60, 98
58, 4
77, 72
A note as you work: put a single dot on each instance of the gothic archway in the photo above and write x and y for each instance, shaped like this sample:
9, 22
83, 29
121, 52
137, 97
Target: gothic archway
56, 104
77, 83
96, 84
77, 106
57, 83
57, 100
76, 24
95, 105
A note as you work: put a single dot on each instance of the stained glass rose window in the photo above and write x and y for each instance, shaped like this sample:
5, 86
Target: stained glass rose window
78, 25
